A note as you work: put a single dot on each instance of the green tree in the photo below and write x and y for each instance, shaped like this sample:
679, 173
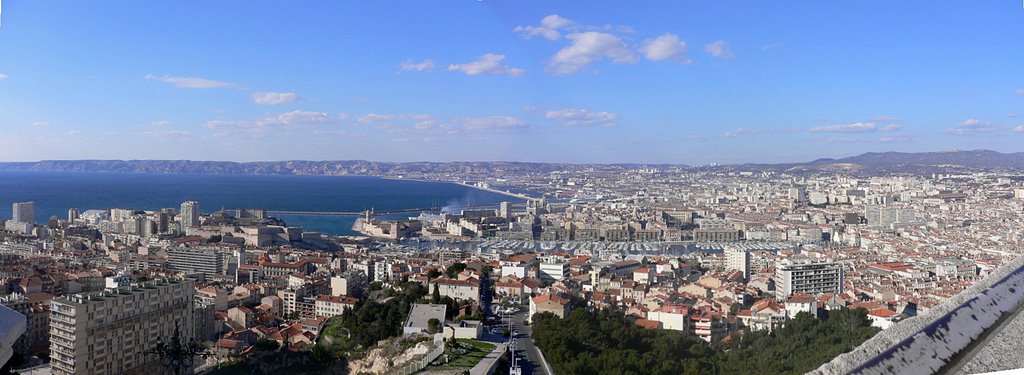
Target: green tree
267, 345
454, 269
433, 326
433, 274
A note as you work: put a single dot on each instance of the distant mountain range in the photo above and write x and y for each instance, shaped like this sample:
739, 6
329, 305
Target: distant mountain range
292, 167
872, 162
905, 162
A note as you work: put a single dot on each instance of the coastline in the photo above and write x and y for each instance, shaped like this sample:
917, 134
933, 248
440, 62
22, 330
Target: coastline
496, 191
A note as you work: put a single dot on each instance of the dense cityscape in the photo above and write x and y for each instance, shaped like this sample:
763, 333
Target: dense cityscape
527, 187
704, 260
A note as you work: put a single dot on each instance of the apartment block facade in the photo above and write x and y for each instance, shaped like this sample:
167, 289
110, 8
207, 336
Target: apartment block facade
107, 332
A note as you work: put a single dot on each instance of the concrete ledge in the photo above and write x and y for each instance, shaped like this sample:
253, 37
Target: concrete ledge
924, 344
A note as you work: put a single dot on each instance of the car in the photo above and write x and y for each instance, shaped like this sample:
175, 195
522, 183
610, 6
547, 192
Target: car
515, 332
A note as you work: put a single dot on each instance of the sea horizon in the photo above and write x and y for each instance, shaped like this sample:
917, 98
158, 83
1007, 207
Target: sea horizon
54, 192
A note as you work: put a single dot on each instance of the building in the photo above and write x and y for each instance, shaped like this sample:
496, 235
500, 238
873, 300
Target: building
553, 269
739, 260
710, 327
24, 212
12, 326
801, 302
876, 215
330, 306
675, 317
106, 332
505, 210
548, 303
420, 315
72, 215
207, 261
465, 329
459, 290
189, 214
716, 234
807, 276
36, 308
883, 318
764, 315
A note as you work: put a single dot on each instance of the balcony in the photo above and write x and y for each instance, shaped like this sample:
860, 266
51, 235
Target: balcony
62, 334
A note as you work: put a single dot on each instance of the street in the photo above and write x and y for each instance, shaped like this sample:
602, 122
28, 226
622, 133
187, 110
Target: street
528, 357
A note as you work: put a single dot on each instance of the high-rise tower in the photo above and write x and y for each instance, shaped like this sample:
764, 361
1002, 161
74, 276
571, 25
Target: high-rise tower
24, 212
189, 214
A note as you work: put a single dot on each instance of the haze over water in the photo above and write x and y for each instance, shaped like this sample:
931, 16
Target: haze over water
55, 192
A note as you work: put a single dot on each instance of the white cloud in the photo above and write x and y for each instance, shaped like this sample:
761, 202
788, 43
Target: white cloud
3, 76
742, 131
190, 82
493, 123
895, 139
489, 64
289, 121
1020, 91
41, 124
388, 117
973, 127
548, 28
274, 98
168, 133
422, 66
890, 127
857, 127
74, 132
301, 118
665, 47
573, 117
588, 47
842, 140
1019, 129
718, 48
770, 46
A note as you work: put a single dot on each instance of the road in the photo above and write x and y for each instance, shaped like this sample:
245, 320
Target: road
527, 354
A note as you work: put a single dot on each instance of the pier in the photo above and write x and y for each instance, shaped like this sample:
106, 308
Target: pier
496, 191
384, 212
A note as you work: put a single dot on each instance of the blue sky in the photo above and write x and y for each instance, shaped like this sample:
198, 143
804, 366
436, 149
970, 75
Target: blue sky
563, 81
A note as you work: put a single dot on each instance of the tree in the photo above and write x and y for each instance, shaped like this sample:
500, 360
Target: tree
454, 269
433, 326
323, 355
433, 274
603, 341
436, 297
267, 345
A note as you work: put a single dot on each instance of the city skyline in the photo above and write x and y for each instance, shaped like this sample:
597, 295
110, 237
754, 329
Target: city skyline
487, 81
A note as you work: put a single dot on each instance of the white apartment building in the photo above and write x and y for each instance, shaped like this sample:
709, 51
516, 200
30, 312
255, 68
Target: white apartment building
457, 289
23, 212
107, 332
807, 276
553, 269
208, 261
189, 216
739, 260
331, 306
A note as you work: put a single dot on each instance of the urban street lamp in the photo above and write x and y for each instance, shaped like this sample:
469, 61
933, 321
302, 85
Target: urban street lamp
176, 355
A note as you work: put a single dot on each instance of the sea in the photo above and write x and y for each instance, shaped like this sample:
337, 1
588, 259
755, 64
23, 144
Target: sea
55, 192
